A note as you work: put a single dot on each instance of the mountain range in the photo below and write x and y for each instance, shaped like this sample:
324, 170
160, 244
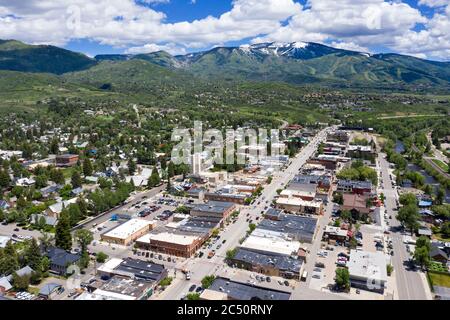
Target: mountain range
295, 63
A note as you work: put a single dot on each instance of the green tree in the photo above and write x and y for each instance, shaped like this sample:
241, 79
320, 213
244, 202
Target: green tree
87, 167
422, 256
57, 176
171, 170
63, 238
193, 296
101, 257
33, 255
408, 199
54, 147
342, 278
131, 167
423, 241
21, 283
207, 281
5, 179
76, 180
84, 238
409, 217
154, 179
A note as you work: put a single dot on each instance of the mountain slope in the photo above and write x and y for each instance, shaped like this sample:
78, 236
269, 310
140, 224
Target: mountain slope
17, 56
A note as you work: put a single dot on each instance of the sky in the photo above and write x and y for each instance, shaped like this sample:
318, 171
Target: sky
415, 27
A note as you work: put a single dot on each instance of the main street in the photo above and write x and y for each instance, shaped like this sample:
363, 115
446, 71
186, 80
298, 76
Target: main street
410, 284
201, 267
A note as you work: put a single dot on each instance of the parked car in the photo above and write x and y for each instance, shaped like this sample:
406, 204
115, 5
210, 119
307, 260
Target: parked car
192, 288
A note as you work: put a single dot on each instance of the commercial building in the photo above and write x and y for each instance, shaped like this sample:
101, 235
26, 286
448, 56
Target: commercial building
356, 204
266, 241
129, 231
215, 209
268, 264
331, 234
228, 289
171, 243
297, 228
67, 160
352, 186
297, 205
368, 270
133, 269
306, 192
225, 197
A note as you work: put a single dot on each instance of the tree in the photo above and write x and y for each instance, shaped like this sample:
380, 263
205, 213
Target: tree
389, 269
131, 167
251, 227
5, 179
76, 180
409, 216
440, 195
342, 278
154, 179
408, 199
422, 256
87, 167
57, 176
46, 240
207, 281
21, 283
423, 242
54, 147
101, 257
166, 282
33, 255
338, 198
169, 186
63, 238
346, 215
445, 229
84, 238
171, 170
193, 296
231, 253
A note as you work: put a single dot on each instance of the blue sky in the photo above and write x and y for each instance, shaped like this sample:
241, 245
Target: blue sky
416, 27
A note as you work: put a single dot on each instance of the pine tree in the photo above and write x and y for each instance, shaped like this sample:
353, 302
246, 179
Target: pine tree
5, 180
33, 255
131, 167
63, 238
87, 167
76, 180
171, 170
154, 179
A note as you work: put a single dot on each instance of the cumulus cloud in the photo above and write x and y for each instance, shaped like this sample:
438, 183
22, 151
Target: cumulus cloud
171, 48
351, 24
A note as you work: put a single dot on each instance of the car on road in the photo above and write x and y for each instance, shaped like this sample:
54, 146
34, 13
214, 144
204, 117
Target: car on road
286, 283
16, 229
224, 241
192, 288
316, 276
268, 279
317, 270
199, 289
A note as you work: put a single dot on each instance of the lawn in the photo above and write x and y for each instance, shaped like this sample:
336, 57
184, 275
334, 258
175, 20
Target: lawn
441, 164
441, 280
437, 266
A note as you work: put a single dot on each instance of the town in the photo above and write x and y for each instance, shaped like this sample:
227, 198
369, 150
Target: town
331, 218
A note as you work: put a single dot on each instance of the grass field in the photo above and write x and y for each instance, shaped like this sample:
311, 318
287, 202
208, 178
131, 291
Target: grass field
441, 280
441, 164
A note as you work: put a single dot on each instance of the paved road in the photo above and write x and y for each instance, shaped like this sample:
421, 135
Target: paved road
410, 284
201, 267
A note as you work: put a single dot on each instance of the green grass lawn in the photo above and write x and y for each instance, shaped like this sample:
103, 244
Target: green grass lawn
437, 266
441, 280
441, 164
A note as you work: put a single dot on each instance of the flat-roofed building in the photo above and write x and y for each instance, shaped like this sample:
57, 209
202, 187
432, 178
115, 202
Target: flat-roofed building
129, 231
352, 186
335, 234
297, 228
368, 270
133, 269
171, 243
215, 209
266, 241
67, 160
233, 290
304, 194
297, 205
225, 197
267, 263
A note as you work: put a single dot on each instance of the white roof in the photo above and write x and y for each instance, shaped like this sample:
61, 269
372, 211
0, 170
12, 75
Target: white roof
367, 265
128, 228
104, 295
110, 265
58, 207
272, 245
298, 202
179, 239
297, 193
336, 230
3, 241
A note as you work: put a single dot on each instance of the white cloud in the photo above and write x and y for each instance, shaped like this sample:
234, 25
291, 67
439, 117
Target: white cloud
351, 24
171, 48
349, 46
